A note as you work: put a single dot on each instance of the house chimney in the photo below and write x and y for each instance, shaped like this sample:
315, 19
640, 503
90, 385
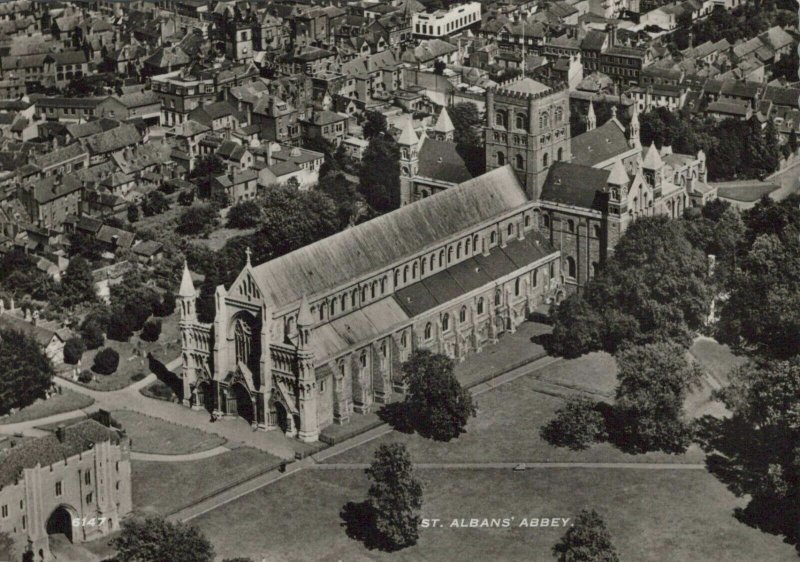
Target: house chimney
61, 433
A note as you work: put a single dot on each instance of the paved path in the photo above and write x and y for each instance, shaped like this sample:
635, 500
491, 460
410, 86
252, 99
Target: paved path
524, 465
152, 457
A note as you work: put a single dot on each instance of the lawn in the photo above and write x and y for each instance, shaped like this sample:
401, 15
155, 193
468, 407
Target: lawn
166, 487
154, 435
133, 356
506, 428
674, 515
66, 401
715, 358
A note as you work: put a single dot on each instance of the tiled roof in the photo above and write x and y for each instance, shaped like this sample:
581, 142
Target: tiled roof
575, 184
378, 243
114, 139
42, 335
600, 144
47, 450
440, 161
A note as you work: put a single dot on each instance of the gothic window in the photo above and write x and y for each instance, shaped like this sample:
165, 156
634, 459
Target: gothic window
364, 294
510, 230
404, 341
544, 120
354, 294
545, 160
343, 301
428, 331
535, 277
445, 322
450, 255
520, 162
500, 118
596, 230
384, 354
493, 237
405, 274
333, 308
396, 277
475, 240
441, 258
405, 154
571, 225
422, 266
467, 246
498, 297
462, 315
290, 326
362, 361
458, 251
571, 268
243, 335
527, 221
383, 284
517, 287
559, 114
414, 270
560, 154
501, 159
374, 289
481, 305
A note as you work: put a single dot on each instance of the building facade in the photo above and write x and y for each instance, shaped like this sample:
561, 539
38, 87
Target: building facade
80, 472
528, 128
318, 335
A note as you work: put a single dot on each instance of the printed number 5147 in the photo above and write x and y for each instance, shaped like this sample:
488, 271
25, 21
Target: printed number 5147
88, 521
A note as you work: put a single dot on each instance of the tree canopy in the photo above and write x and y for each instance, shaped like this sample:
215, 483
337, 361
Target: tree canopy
588, 540
153, 538
26, 374
379, 176
437, 404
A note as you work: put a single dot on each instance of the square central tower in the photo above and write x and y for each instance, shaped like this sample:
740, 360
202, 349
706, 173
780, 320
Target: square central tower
528, 128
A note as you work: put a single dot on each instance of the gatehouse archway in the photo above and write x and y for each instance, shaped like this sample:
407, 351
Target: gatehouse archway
60, 522
244, 404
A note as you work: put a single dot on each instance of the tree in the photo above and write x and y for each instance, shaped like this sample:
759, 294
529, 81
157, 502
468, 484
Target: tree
77, 285
577, 424
374, 125
197, 219
7, 550
756, 450
154, 203
118, 327
344, 193
86, 246
653, 382
762, 152
186, 197
577, 328
166, 306
588, 540
151, 330
762, 313
133, 213
654, 287
468, 135
92, 333
155, 539
27, 373
436, 402
379, 176
106, 361
73, 350
395, 496
246, 214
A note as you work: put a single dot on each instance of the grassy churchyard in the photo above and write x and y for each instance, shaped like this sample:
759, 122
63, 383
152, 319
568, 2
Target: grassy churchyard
157, 436
65, 401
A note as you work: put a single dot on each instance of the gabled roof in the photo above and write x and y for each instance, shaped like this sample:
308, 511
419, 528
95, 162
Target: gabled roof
440, 161
600, 144
381, 242
576, 185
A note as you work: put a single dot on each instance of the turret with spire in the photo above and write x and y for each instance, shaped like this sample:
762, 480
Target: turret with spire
444, 128
591, 119
409, 161
187, 296
308, 429
633, 130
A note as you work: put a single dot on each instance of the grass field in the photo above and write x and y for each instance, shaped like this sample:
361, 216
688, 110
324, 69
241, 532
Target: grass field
66, 401
715, 358
653, 516
163, 488
153, 435
506, 428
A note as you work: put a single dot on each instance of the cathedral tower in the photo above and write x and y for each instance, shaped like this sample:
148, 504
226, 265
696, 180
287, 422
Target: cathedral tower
308, 427
528, 128
409, 161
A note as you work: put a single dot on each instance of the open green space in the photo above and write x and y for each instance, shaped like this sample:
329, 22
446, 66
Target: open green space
717, 359
747, 193
133, 356
154, 435
653, 516
506, 428
66, 401
165, 487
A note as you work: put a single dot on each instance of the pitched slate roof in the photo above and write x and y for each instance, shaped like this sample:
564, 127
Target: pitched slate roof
575, 184
113, 139
600, 144
440, 161
379, 243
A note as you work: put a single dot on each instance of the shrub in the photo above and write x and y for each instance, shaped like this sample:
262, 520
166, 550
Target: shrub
577, 424
246, 214
151, 330
86, 376
197, 219
106, 362
138, 376
161, 390
73, 350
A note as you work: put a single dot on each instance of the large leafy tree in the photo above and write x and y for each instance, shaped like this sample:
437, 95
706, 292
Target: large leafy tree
654, 288
20, 277
379, 176
756, 450
648, 412
577, 424
26, 374
395, 496
77, 285
719, 230
154, 539
468, 135
588, 540
437, 404
374, 125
